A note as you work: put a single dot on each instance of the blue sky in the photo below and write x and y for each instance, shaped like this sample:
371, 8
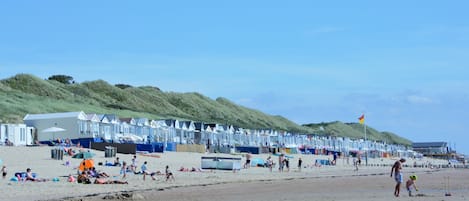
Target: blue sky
404, 64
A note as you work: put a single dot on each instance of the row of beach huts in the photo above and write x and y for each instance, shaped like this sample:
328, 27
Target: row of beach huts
179, 135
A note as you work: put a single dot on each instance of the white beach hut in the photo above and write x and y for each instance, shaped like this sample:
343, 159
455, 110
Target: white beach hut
16, 134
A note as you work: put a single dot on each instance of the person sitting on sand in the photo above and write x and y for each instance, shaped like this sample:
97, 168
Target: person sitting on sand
117, 162
30, 177
83, 178
104, 181
98, 174
193, 169
411, 182
69, 151
183, 169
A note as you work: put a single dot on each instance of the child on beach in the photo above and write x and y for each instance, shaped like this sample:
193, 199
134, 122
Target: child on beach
144, 170
169, 174
411, 182
133, 166
124, 170
4, 171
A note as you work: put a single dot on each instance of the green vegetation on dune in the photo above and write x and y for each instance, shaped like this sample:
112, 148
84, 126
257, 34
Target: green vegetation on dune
25, 93
355, 131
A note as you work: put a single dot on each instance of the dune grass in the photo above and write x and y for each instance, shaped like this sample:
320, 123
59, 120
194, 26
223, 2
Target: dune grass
24, 93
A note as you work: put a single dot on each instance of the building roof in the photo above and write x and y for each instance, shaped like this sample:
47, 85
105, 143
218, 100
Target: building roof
79, 115
428, 144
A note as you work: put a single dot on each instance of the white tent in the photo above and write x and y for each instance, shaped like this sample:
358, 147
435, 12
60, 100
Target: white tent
53, 130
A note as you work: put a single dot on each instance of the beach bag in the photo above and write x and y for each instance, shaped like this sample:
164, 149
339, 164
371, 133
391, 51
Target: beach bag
71, 178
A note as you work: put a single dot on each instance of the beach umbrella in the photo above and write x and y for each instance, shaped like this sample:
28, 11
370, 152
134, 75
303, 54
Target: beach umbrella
83, 155
53, 130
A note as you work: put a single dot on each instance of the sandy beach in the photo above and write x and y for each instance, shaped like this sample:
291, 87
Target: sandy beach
340, 182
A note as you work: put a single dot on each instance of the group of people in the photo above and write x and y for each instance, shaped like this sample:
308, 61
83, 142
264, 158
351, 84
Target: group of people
25, 176
88, 173
396, 171
85, 178
283, 162
143, 169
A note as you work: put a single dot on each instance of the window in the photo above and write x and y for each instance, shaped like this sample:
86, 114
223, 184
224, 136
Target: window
22, 134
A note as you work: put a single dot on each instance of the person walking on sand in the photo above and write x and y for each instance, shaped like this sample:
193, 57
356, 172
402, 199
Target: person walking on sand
299, 164
248, 160
396, 169
280, 162
124, 170
270, 163
355, 163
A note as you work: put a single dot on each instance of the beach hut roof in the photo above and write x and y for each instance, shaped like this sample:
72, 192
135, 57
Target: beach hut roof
199, 126
112, 117
80, 115
92, 117
171, 122
142, 121
130, 121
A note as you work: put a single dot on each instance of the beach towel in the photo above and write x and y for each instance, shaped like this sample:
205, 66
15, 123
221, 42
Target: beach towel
257, 162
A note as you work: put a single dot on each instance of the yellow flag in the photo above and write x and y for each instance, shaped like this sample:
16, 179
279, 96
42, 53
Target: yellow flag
361, 119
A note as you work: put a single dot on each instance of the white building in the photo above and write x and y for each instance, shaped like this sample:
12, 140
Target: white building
16, 134
75, 124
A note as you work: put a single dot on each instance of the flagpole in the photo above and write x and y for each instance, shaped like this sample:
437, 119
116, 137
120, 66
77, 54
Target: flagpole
366, 146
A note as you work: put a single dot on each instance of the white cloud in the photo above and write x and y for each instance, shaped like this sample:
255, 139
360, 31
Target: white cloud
415, 99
